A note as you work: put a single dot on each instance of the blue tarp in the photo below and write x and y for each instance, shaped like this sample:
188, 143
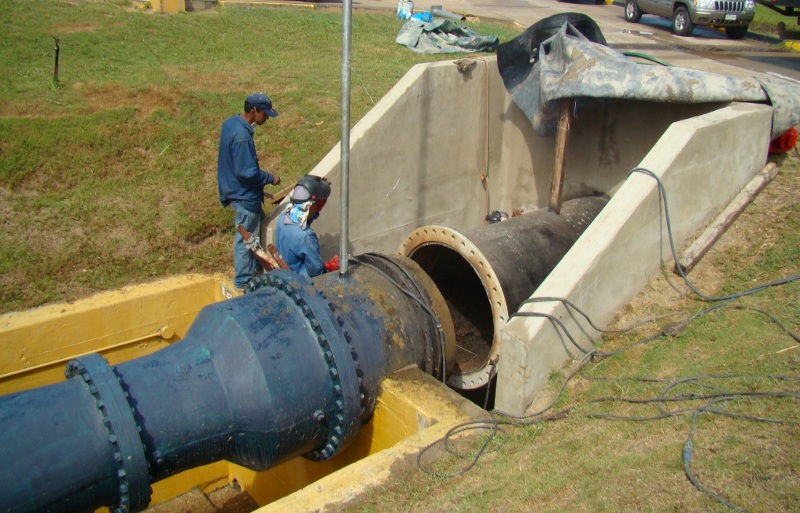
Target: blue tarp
443, 36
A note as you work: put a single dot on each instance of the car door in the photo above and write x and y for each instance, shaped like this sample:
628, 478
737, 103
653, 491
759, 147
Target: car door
658, 7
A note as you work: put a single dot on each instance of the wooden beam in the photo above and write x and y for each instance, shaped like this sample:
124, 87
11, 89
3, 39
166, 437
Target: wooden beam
562, 136
715, 230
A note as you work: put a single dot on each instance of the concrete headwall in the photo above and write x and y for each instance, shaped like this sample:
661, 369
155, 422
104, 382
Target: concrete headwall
420, 156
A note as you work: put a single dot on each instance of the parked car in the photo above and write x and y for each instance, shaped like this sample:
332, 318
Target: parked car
732, 15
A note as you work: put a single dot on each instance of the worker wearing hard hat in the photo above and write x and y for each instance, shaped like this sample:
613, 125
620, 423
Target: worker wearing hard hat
295, 240
241, 181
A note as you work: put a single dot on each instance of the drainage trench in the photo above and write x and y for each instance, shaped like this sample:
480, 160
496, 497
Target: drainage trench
291, 368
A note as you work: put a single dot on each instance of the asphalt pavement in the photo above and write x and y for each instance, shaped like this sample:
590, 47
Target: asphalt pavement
706, 49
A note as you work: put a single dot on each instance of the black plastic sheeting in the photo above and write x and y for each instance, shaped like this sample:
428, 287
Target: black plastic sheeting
566, 56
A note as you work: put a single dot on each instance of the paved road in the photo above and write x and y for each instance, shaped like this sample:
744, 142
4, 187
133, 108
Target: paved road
707, 49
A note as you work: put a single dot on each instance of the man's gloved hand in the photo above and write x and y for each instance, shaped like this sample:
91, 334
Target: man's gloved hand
332, 264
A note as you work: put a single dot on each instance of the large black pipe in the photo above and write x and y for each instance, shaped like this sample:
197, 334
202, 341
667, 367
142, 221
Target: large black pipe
485, 274
290, 368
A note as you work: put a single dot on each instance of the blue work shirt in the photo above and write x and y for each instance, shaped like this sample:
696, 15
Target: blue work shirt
238, 176
298, 247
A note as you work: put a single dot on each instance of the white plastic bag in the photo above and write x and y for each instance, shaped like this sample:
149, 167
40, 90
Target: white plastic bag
404, 9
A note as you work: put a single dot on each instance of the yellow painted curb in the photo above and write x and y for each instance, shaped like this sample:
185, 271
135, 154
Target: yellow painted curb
792, 45
223, 3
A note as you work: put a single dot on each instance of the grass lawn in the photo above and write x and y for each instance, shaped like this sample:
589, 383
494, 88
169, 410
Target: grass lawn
109, 178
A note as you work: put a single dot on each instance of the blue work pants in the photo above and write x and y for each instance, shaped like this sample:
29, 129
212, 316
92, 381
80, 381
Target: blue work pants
245, 264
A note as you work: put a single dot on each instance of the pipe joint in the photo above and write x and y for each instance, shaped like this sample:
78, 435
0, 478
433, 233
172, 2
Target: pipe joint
344, 409
123, 431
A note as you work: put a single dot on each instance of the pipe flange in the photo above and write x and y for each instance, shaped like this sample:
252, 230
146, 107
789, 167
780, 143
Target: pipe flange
337, 353
123, 431
362, 389
443, 236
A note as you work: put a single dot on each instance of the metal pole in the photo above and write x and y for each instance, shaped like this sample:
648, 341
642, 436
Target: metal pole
347, 29
55, 71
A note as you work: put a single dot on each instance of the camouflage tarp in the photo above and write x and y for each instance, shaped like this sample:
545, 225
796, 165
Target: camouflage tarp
553, 60
443, 36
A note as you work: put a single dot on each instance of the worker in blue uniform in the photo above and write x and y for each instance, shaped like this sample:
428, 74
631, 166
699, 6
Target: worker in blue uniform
295, 240
241, 181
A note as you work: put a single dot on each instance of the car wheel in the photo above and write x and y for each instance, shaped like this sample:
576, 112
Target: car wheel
681, 22
632, 12
736, 32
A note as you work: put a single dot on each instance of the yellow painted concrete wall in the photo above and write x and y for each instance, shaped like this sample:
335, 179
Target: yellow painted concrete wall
173, 6
122, 324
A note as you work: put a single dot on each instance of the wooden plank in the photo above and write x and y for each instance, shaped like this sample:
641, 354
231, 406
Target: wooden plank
557, 180
726, 218
276, 198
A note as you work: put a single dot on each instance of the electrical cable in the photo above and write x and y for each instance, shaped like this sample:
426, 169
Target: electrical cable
679, 267
647, 57
686, 457
557, 321
492, 373
499, 418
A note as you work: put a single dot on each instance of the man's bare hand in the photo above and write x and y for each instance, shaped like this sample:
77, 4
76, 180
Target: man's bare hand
276, 180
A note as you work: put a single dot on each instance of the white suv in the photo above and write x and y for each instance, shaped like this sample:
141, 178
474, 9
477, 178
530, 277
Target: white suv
732, 15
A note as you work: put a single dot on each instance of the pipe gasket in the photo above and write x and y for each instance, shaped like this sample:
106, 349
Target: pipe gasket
123, 431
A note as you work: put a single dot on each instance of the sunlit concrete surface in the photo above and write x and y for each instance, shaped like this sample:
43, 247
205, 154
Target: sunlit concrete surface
420, 156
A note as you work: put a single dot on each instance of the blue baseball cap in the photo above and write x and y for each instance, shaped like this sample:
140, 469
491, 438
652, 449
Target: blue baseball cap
262, 101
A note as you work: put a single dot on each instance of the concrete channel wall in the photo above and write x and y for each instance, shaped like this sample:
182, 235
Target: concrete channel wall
419, 157
628, 242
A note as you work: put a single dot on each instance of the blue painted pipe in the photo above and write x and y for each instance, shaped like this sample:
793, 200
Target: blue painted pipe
290, 368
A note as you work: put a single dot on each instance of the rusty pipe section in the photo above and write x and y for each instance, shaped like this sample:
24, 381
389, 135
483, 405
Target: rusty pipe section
290, 368
485, 274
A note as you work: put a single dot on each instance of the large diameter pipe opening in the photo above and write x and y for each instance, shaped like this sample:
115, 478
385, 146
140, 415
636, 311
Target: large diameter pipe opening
486, 274
469, 307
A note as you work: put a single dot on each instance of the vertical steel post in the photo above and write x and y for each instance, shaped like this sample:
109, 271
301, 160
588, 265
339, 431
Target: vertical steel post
347, 29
